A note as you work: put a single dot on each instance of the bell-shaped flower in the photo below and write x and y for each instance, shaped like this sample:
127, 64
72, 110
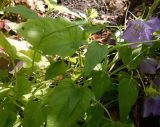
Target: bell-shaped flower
138, 31
156, 81
152, 103
154, 23
151, 106
148, 66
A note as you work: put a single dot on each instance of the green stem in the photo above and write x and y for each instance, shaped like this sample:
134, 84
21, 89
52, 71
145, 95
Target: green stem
80, 59
144, 88
129, 44
152, 8
118, 69
115, 59
105, 109
124, 66
15, 102
33, 60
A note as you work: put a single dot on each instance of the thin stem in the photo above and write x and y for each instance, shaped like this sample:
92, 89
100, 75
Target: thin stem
80, 59
109, 103
16, 103
152, 8
133, 15
33, 60
115, 59
129, 44
118, 27
124, 66
118, 69
105, 109
139, 76
105, 64
144, 10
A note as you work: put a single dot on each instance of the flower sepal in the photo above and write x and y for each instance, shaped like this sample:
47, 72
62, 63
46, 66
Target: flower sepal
151, 92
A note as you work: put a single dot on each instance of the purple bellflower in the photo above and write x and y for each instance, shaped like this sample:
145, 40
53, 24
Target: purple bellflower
156, 81
151, 106
148, 66
139, 31
154, 23
152, 103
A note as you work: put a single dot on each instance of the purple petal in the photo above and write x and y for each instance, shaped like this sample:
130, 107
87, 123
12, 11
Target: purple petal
154, 23
156, 110
158, 66
156, 81
148, 65
148, 106
138, 31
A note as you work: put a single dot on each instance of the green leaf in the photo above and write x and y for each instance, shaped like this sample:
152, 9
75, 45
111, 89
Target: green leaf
4, 76
30, 53
52, 36
7, 46
8, 114
156, 46
95, 54
125, 54
123, 74
23, 11
55, 69
33, 115
94, 116
132, 57
23, 86
90, 28
100, 83
27, 61
7, 118
127, 96
67, 103
4, 92
137, 56
117, 124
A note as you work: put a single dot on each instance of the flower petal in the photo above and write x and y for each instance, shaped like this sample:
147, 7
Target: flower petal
148, 106
154, 23
156, 110
138, 31
148, 65
156, 81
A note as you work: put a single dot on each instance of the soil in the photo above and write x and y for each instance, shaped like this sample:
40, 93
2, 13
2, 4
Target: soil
110, 10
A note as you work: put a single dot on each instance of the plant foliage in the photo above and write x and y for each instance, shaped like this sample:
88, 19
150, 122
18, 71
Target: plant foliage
63, 78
